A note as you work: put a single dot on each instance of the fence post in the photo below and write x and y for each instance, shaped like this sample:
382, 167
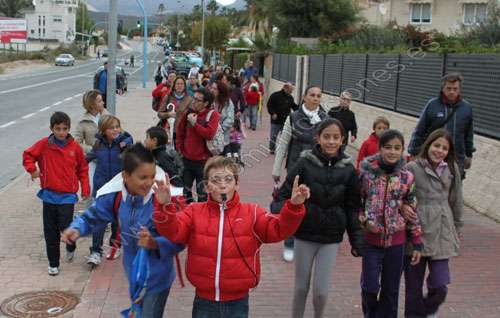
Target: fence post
443, 66
365, 78
341, 72
397, 85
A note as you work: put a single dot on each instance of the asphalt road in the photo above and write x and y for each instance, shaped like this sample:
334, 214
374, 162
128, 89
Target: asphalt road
27, 101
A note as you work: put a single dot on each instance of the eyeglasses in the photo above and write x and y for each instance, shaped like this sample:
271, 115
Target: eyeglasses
220, 180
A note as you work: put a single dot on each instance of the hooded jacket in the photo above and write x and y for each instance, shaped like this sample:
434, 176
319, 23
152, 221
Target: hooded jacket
133, 213
368, 148
334, 203
108, 158
60, 167
223, 260
382, 197
86, 130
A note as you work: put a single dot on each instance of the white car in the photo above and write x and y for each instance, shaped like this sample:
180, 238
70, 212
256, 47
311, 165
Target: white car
65, 59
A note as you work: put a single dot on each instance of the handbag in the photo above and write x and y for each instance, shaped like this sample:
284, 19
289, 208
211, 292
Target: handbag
215, 145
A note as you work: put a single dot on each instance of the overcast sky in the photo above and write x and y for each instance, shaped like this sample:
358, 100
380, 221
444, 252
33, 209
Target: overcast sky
131, 7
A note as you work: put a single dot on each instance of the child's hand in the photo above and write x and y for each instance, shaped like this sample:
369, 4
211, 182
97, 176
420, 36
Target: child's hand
123, 144
415, 257
300, 193
35, 175
192, 118
163, 191
69, 236
368, 225
146, 240
408, 213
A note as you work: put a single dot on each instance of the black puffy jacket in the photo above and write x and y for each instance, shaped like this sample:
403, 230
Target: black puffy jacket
335, 200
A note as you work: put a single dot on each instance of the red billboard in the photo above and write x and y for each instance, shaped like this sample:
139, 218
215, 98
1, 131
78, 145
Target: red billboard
13, 30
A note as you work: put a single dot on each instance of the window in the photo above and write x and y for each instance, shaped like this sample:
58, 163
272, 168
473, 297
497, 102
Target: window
57, 19
43, 20
420, 12
474, 13
39, 20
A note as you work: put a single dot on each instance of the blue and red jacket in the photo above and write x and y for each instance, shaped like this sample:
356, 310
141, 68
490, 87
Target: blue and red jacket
61, 168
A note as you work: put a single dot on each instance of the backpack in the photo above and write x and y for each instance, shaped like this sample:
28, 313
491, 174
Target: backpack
215, 145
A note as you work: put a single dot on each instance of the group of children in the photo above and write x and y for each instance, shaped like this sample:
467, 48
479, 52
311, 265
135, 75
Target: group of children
400, 217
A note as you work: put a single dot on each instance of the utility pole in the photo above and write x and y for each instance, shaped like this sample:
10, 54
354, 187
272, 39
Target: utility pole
82, 4
112, 29
202, 30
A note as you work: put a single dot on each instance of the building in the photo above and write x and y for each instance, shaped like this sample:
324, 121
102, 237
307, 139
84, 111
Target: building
52, 20
446, 16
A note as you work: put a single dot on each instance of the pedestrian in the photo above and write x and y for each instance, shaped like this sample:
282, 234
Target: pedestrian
385, 186
298, 135
439, 189
346, 117
173, 106
107, 151
236, 137
279, 106
160, 73
132, 60
193, 132
86, 129
101, 82
224, 106
252, 98
192, 85
193, 71
167, 159
159, 94
98, 54
60, 164
331, 210
250, 71
131, 205
452, 112
223, 261
369, 147
237, 97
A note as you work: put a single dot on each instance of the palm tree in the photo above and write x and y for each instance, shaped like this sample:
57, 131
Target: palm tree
13, 8
212, 6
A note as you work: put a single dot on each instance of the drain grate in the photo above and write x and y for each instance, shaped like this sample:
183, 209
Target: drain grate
39, 304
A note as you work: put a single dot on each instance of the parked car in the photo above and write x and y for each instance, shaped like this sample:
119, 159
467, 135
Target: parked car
195, 58
121, 75
181, 64
65, 59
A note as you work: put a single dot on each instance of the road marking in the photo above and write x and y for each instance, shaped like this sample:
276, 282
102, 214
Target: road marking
68, 99
78, 95
42, 83
28, 116
44, 109
8, 124
57, 103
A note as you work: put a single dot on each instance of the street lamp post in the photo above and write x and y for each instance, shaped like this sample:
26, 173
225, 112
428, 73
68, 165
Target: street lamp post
145, 44
202, 30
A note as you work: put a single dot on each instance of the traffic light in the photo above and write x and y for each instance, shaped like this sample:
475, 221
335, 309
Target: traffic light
138, 24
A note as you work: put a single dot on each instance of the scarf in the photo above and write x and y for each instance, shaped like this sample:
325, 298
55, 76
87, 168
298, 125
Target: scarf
387, 168
313, 115
178, 97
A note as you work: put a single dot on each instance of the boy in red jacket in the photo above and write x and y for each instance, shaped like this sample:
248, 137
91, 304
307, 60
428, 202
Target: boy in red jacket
59, 162
223, 236
370, 145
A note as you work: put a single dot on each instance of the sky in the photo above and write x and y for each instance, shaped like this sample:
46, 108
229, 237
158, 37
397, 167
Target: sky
130, 7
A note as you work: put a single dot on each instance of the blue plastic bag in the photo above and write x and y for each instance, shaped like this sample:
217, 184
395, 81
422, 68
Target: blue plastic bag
137, 284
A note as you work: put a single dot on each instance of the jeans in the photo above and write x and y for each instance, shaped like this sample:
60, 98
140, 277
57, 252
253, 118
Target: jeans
193, 171
275, 130
153, 305
289, 242
253, 112
98, 238
203, 308
56, 218
416, 305
381, 272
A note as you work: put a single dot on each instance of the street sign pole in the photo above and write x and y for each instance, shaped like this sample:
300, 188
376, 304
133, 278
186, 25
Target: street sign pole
112, 34
145, 45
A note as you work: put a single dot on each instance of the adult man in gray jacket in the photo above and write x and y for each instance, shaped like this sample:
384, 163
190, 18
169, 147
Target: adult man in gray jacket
452, 112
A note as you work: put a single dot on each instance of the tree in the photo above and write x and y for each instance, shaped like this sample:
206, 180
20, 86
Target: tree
13, 8
212, 7
83, 21
217, 31
313, 18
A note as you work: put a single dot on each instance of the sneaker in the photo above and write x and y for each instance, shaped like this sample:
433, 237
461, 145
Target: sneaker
114, 253
70, 256
53, 271
434, 315
288, 254
94, 258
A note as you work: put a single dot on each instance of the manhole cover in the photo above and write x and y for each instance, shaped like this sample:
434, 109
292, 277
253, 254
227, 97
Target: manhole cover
39, 304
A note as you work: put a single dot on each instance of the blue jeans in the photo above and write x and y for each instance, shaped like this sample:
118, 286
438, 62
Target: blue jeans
203, 308
275, 129
98, 238
381, 272
153, 305
253, 112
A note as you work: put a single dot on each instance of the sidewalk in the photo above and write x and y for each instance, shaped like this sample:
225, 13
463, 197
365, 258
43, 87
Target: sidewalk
103, 292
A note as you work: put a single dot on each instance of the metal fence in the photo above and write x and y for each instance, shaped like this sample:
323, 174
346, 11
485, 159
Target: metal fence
404, 82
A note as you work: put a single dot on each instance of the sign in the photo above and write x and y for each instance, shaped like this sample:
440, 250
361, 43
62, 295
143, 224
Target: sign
13, 30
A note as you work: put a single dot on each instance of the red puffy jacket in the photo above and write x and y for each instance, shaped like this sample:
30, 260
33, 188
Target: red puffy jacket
368, 148
252, 98
215, 266
60, 168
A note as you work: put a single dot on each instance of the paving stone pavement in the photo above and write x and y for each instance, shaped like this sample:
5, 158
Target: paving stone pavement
103, 293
